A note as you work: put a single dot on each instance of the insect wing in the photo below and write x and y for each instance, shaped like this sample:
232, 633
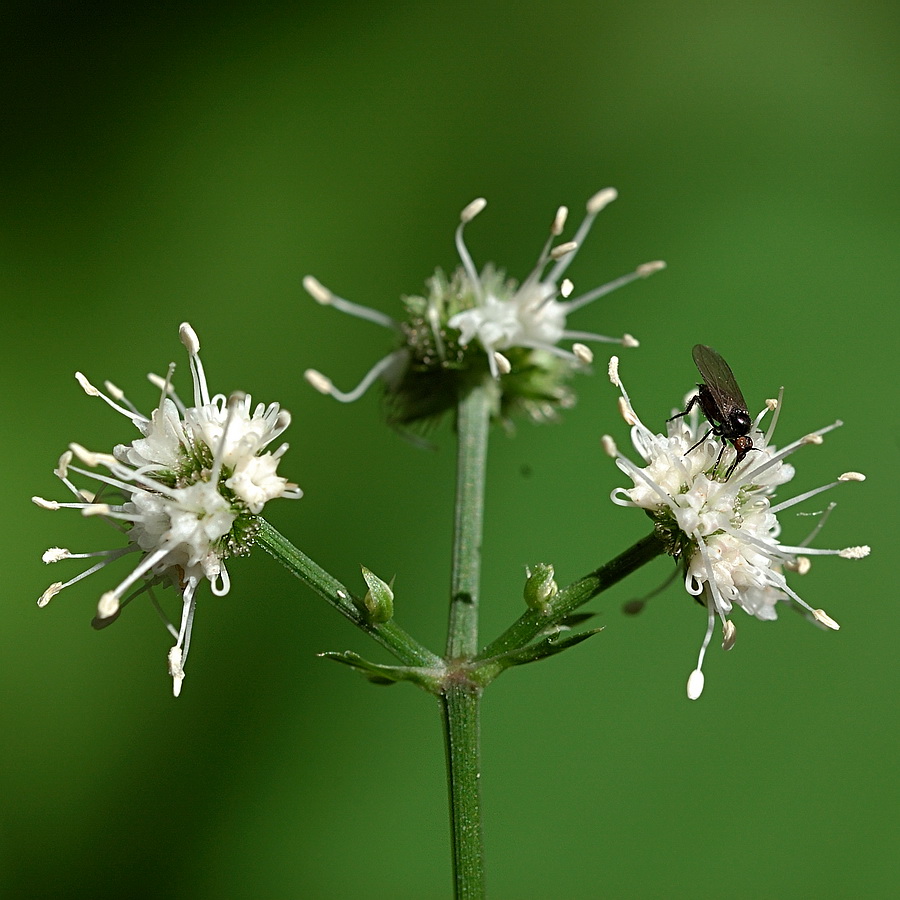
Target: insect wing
719, 379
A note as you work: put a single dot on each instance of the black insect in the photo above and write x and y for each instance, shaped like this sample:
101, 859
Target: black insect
723, 405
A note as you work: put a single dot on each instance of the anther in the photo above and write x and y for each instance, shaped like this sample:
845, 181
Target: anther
601, 199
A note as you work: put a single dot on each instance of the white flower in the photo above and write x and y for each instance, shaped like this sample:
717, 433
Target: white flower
724, 532
187, 492
531, 315
487, 308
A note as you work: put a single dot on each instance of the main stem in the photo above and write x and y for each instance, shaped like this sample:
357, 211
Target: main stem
460, 697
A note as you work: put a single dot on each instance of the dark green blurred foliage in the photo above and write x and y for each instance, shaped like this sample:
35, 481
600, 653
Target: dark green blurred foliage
163, 164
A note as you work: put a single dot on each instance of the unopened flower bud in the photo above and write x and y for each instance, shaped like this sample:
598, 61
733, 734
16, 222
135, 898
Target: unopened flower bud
540, 588
379, 599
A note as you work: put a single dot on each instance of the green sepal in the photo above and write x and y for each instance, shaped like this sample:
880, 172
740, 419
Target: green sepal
427, 679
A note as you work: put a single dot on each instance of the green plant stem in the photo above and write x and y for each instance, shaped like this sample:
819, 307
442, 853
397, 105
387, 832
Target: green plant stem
460, 698
472, 426
460, 710
533, 622
390, 635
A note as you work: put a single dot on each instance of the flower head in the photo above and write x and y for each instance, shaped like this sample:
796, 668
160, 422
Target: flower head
723, 532
474, 323
186, 494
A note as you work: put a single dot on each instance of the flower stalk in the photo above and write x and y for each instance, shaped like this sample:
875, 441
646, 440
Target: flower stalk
390, 635
460, 698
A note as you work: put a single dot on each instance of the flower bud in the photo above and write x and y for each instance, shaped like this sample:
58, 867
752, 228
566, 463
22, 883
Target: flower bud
379, 599
540, 588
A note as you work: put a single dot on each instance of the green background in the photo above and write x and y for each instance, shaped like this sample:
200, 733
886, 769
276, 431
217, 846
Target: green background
167, 164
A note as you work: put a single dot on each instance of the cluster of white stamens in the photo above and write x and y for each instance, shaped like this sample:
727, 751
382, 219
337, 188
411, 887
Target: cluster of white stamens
185, 493
724, 532
501, 316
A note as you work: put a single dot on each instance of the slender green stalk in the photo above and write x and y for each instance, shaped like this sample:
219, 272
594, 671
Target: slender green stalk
533, 622
460, 698
472, 426
460, 709
406, 648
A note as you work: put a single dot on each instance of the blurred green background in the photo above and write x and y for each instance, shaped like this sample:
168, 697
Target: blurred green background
193, 162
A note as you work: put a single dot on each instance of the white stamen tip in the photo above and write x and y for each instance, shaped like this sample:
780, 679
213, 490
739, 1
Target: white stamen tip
62, 467
729, 634
629, 340
115, 392
609, 446
472, 210
648, 269
583, 353
86, 386
108, 605
175, 669
97, 509
852, 476
49, 594
813, 439
695, 684
772, 404
821, 616
613, 371
601, 199
566, 288
802, 565
855, 552
189, 338
322, 383
559, 221
563, 250
158, 381
45, 504
627, 412
55, 554
504, 367
89, 458
317, 290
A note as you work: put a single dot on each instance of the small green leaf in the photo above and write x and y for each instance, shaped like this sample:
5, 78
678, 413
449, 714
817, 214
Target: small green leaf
488, 670
428, 679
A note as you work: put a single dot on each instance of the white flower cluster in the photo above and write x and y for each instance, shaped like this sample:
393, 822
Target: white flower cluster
185, 493
724, 532
503, 316
532, 316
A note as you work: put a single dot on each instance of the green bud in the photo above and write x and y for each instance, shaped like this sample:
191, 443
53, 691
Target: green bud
379, 599
540, 588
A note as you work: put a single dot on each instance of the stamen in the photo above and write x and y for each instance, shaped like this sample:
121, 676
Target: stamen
176, 670
466, 216
504, 367
729, 634
566, 288
92, 391
821, 616
641, 272
562, 250
609, 446
613, 371
583, 353
50, 593
323, 295
198, 375
324, 385
594, 205
855, 552
559, 221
